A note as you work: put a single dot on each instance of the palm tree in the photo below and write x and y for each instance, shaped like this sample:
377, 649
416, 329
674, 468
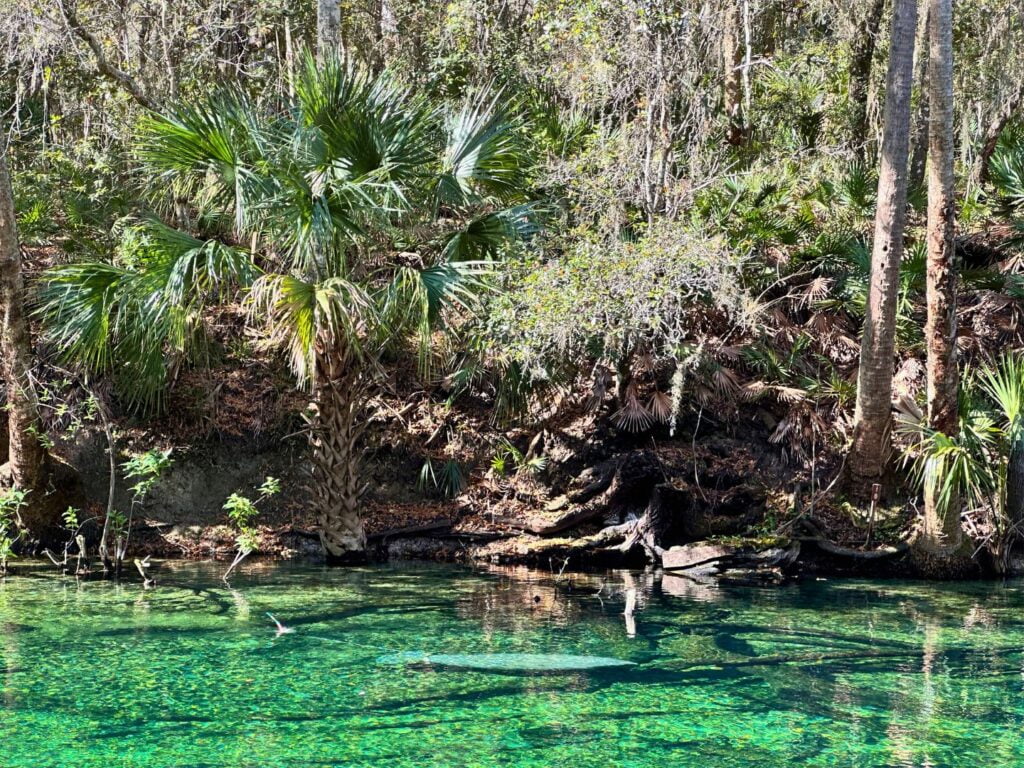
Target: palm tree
870, 452
358, 220
941, 534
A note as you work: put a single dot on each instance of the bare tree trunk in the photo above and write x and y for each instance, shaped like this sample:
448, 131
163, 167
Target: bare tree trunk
919, 141
328, 28
340, 391
3, 431
862, 55
995, 130
733, 55
28, 463
1015, 488
871, 445
941, 533
384, 29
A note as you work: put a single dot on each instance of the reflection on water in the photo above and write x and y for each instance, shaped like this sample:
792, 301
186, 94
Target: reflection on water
813, 674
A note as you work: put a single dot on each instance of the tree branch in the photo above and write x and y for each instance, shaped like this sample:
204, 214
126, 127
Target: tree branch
108, 70
995, 130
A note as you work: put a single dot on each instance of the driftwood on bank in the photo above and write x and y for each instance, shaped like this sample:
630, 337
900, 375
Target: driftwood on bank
817, 537
712, 557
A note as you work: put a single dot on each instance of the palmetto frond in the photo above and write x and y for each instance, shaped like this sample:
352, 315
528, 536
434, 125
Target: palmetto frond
856, 188
1006, 170
300, 315
1004, 383
79, 303
130, 318
633, 415
660, 406
960, 467
484, 236
370, 130
482, 159
417, 298
188, 270
210, 150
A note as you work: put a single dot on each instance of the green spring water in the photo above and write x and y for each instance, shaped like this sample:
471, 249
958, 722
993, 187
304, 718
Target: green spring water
192, 673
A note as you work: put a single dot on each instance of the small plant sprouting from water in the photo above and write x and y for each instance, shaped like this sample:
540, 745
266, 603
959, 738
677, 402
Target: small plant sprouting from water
11, 502
72, 525
145, 469
242, 512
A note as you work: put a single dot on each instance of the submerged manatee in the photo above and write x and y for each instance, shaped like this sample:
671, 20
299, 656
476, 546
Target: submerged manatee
506, 662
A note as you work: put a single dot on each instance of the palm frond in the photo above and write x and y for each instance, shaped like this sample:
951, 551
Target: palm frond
482, 158
129, 319
484, 236
209, 150
302, 316
1004, 383
78, 304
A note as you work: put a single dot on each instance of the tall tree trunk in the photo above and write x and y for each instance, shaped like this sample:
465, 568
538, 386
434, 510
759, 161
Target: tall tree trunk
732, 55
340, 392
871, 440
28, 463
1015, 487
384, 29
941, 533
861, 56
919, 140
995, 130
3, 430
328, 28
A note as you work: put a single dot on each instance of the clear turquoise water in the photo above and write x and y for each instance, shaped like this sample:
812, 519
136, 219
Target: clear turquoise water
191, 674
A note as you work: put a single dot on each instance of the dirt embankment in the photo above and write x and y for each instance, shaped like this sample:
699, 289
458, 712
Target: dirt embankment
568, 491
598, 497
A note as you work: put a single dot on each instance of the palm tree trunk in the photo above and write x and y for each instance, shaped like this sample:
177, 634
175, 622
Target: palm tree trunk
1015, 488
328, 28
941, 532
860, 77
732, 54
919, 141
340, 391
28, 462
871, 445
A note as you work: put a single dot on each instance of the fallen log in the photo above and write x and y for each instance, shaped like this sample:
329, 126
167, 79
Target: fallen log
859, 554
818, 538
722, 556
411, 529
545, 526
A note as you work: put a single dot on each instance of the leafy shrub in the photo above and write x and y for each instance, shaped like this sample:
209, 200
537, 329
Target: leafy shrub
611, 302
